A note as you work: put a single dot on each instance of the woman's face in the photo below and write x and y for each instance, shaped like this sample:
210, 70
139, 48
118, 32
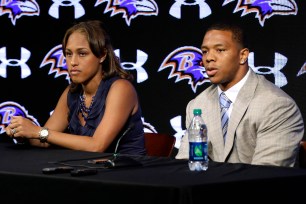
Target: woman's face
82, 64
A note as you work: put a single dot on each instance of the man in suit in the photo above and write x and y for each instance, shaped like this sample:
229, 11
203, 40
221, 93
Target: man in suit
265, 125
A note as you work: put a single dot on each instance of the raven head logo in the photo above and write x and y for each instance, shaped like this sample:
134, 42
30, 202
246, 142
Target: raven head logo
265, 9
58, 62
9, 109
18, 8
130, 8
186, 63
302, 70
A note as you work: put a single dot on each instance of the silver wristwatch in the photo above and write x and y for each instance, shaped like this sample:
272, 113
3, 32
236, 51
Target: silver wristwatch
43, 135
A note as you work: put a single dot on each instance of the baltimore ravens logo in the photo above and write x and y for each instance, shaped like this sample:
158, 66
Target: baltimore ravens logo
302, 70
56, 58
265, 9
9, 109
186, 63
18, 8
130, 8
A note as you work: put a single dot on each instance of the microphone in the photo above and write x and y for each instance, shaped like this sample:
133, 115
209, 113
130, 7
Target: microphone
110, 161
124, 133
116, 160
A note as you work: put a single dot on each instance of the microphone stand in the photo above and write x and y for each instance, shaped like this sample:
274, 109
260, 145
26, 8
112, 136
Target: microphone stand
122, 161
125, 132
115, 154
115, 161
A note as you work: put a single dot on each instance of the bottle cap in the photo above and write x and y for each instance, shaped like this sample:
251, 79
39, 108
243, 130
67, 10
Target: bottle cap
197, 111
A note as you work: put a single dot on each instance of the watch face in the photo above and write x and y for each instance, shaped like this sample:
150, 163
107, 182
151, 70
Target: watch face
44, 133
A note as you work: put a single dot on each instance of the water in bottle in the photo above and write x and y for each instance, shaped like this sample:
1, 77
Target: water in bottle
197, 135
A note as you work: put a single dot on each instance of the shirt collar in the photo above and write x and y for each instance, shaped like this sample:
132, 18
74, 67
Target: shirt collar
232, 92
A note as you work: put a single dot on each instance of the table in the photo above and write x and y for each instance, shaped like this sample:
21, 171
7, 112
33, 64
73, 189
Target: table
158, 180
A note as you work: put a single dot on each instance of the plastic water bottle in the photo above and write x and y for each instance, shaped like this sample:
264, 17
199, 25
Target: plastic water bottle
197, 135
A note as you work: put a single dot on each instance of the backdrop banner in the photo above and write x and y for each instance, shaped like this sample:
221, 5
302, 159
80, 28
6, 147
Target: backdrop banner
158, 41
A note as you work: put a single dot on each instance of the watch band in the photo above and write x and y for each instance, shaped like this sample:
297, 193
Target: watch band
43, 134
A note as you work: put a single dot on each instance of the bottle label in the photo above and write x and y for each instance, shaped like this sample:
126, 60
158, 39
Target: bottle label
198, 151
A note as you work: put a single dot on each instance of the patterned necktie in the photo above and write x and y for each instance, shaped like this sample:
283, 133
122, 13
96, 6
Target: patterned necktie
224, 104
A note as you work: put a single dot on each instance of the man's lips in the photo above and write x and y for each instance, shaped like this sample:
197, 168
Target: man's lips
74, 71
211, 71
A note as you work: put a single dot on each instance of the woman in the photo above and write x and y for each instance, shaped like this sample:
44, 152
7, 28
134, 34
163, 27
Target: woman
99, 105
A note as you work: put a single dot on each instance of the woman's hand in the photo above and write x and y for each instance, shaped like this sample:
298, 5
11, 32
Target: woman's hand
21, 127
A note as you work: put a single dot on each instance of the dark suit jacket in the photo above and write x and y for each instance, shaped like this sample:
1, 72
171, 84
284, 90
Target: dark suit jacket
265, 125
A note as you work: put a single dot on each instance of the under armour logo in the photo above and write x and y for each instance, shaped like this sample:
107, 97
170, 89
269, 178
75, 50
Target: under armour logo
4, 62
78, 8
204, 9
176, 124
141, 57
279, 62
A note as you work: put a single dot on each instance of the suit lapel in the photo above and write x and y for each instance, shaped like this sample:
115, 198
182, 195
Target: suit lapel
240, 106
212, 118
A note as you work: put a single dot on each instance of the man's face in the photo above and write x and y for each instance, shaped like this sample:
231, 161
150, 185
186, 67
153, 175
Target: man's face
222, 58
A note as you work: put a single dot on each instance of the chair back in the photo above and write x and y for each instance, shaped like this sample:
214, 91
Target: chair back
302, 154
159, 144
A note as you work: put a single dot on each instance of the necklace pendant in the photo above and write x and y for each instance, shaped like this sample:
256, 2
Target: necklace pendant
84, 110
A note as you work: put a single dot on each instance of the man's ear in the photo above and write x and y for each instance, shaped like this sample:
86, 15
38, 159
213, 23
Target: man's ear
244, 54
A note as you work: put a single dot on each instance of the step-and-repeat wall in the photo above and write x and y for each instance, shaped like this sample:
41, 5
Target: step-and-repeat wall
155, 40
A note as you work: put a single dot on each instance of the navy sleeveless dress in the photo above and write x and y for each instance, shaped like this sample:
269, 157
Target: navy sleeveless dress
131, 143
